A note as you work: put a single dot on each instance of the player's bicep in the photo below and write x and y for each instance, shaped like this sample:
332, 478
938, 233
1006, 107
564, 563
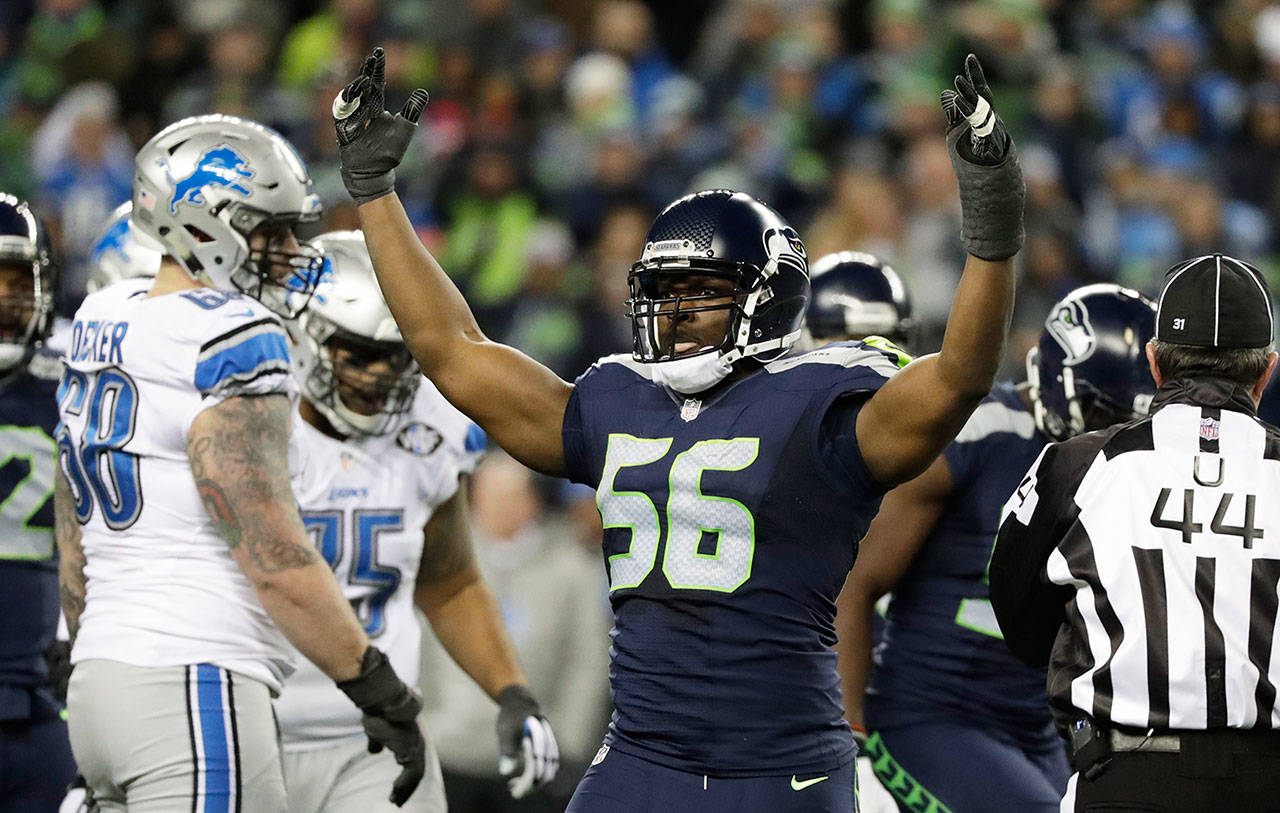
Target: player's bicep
239, 460
910, 420
517, 401
448, 556
907, 516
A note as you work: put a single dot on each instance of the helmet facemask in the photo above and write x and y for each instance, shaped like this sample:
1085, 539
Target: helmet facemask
356, 399
657, 315
26, 299
282, 279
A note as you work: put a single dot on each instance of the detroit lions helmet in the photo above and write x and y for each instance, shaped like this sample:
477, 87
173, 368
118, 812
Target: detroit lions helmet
720, 233
121, 253
346, 329
202, 185
1089, 370
854, 295
26, 286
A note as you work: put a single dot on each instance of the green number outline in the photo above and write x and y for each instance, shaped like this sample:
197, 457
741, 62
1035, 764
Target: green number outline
666, 447
24, 482
751, 537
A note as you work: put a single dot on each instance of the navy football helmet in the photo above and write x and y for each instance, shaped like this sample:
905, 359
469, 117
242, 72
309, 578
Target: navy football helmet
720, 233
26, 285
1089, 370
854, 295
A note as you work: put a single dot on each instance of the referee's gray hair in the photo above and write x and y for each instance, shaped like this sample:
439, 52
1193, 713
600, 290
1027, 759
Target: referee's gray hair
1243, 365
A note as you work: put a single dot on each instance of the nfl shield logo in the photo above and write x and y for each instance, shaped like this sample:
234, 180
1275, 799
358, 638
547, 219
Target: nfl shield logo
690, 410
1208, 429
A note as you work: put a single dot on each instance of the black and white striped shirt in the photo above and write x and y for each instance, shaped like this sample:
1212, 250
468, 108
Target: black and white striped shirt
1141, 563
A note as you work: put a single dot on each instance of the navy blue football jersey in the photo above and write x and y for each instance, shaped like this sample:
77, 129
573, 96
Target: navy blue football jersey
28, 565
942, 646
729, 528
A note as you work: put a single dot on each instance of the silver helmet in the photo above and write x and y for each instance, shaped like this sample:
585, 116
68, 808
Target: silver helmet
203, 184
346, 330
122, 252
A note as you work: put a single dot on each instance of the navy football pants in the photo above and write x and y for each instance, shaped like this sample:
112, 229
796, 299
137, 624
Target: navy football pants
36, 765
950, 764
621, 783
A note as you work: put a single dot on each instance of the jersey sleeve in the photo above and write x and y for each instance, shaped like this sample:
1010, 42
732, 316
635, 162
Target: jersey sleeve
1028, 607
574, 436
863, 370
251, 358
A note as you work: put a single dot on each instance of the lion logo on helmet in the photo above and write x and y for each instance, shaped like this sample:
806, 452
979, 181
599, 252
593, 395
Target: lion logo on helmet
1070, 328
220, 166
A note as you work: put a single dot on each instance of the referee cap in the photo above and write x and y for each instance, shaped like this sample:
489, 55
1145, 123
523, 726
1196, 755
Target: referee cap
1215, 301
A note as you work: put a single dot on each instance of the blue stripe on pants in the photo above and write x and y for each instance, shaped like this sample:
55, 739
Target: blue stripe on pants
213, 737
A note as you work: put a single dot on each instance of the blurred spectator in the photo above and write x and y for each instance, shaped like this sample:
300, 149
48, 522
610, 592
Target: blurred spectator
236, 79
84, 162
333, 39
487, 233
552, 593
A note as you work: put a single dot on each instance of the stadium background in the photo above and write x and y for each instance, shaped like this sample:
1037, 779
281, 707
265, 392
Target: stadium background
1148, 131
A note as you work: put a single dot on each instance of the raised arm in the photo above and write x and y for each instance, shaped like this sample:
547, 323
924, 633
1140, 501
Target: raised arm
517, 401
907, 422
907, 516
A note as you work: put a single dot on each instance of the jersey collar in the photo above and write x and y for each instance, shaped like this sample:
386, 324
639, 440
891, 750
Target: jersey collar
1206, 391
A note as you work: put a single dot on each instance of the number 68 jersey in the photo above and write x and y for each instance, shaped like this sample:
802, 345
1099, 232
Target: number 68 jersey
364, 502
162, 588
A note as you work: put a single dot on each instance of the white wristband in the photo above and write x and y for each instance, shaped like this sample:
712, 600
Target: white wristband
982, 120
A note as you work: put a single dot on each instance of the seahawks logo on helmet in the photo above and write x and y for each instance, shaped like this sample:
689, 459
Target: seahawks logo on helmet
1069, 326
419, 439
220, 166
785, 244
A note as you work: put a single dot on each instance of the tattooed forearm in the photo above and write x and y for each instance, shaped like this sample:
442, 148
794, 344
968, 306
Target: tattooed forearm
239, 459
72, 582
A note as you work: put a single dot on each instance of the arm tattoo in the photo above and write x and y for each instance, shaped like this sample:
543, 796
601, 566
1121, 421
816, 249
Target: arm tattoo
72, 582
447, 550
239, 459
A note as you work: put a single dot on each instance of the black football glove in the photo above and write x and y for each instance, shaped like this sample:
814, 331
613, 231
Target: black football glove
390, 719
986, 166
528, 754
371, 141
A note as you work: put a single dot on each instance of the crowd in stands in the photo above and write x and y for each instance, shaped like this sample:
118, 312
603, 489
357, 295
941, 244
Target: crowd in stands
557, 129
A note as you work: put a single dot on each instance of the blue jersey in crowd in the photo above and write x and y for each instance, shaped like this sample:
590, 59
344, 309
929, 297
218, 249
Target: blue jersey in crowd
729, 529
28, 566
942, 647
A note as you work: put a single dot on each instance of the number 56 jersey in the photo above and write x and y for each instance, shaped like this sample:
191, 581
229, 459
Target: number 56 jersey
729, 530
162, 588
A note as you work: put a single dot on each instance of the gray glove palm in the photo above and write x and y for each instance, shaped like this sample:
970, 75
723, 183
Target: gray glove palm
371, 141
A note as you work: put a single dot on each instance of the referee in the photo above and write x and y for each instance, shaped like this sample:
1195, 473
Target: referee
1141, 564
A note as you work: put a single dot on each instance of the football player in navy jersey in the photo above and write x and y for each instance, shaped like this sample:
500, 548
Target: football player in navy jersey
730, 475
33, 737
855, 295
943, 681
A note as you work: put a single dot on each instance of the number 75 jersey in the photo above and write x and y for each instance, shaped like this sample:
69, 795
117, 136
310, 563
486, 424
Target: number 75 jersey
729, 529
162, 588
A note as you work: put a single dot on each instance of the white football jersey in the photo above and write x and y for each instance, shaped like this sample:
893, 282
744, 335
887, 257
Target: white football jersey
365, 502
163, 589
